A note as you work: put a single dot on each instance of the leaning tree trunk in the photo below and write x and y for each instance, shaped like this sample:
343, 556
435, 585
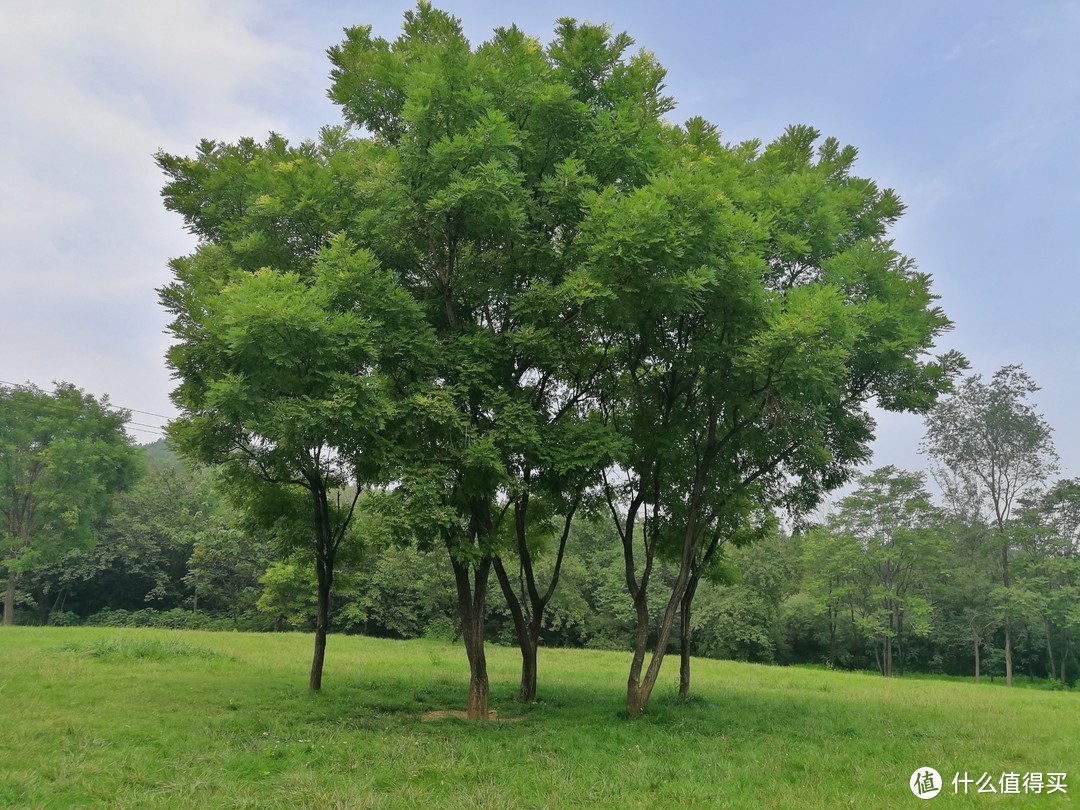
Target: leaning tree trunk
639, 688
637, 693
472, 594
528, 634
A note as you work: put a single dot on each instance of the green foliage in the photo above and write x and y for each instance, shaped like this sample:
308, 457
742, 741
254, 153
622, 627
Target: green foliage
171, 542
739, 615
295, 349
1048, 574
991, 444
63, 456
874, 563
993, 448
400, 592
288, 596
172, 619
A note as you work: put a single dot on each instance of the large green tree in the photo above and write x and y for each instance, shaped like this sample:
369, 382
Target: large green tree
294, 347
992, 448
482, 163
754, 305
62, 457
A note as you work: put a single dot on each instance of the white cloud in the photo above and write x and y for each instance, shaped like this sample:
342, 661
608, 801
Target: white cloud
95, 90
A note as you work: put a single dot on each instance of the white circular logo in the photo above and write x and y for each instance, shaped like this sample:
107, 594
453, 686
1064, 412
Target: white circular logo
925, 783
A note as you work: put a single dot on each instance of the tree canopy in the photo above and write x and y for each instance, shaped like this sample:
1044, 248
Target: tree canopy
62, 457
511, 289
992, 448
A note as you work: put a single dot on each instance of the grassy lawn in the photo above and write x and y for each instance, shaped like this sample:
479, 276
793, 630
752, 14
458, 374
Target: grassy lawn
96, 717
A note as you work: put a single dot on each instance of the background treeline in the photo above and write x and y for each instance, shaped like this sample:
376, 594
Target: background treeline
888, 581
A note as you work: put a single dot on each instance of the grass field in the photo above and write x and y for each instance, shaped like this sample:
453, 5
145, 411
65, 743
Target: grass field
95, 717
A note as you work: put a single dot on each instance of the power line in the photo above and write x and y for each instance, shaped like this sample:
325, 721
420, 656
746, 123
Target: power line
112, 405
148, 430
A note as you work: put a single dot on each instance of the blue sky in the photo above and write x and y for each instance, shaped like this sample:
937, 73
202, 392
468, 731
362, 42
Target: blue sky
970, 110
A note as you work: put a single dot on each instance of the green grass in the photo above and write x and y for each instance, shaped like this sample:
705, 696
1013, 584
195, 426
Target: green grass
133, 718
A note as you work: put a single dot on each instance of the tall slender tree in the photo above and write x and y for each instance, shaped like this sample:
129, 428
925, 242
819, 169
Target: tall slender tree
992, 447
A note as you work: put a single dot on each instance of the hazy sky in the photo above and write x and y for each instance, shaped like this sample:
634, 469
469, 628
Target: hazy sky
970, 110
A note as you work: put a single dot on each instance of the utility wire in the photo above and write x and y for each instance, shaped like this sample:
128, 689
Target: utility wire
141, 426
147, 430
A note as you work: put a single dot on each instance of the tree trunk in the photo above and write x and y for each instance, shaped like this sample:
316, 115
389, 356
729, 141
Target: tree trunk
977, 668
478, 678
1008, 652
471, 607
1050, 650
640, 689
322, 624
834, 615
528, 634
1008, 604
326, 545
637, 694
9, 600
478, 687
528, 611
899, 648
637, 698
527, 693
684, 637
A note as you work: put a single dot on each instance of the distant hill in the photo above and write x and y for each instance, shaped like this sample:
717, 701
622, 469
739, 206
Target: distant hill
159, 453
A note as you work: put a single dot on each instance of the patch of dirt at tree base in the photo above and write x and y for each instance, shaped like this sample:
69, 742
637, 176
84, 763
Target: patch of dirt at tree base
429, 717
